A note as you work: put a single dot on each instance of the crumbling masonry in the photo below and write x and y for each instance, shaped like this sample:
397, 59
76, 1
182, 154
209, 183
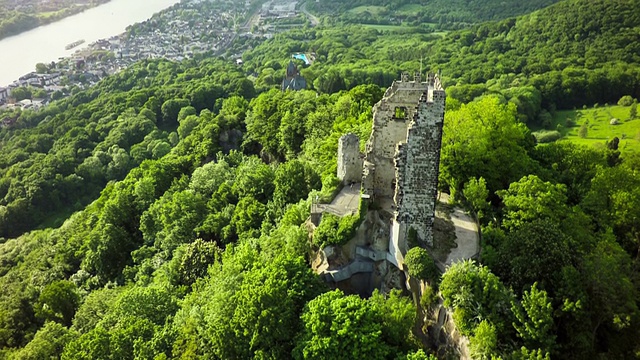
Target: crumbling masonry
349, 159
403, 156
398, 176
401, 163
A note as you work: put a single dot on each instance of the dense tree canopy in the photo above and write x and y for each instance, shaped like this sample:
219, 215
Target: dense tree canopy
162, 213
484, 139
446, 14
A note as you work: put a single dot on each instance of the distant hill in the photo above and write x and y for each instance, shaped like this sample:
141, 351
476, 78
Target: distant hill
565, 56
576, 52
582, 32
446, 14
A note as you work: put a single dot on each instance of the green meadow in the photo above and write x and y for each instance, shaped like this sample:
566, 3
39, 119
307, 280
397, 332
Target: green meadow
374, 10
599, 128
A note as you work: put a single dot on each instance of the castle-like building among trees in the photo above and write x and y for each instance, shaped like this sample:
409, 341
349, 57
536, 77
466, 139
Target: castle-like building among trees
399, 171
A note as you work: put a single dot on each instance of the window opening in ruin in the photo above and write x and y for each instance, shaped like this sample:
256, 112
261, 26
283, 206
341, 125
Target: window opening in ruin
400, 113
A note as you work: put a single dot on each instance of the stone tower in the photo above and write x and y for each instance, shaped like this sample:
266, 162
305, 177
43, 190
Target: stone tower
399, 174
293, 80
402, 157
349, 161
417, 165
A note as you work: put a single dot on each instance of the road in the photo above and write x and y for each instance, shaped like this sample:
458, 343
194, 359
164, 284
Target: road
312, 18
254, 18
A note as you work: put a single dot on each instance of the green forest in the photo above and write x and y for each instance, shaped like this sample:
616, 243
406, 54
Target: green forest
161, 214
440, 14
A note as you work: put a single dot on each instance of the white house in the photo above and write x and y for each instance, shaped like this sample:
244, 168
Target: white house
4, 93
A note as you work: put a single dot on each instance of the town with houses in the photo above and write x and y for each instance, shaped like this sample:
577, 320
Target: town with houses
187, 29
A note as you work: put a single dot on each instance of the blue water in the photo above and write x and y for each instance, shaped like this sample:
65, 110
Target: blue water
302, 57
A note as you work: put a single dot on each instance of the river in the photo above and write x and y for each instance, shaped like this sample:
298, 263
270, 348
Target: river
19, 54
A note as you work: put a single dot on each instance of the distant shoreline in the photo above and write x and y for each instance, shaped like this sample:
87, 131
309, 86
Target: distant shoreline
27, 22
48, 42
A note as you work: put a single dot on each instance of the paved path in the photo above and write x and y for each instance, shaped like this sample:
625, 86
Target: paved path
345, 203
467, 236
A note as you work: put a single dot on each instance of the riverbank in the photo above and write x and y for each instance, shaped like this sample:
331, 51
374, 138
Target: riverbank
168, 35
46, 44
17, 22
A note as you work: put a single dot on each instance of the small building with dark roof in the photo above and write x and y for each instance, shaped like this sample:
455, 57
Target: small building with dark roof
293, 80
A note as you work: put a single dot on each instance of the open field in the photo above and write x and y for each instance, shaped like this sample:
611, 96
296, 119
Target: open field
387, 27
399, 28
374, 10
599, 129
440, 33
409, 9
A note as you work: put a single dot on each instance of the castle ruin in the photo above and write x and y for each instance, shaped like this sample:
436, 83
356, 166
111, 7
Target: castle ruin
349, 159
398, 176
402, 157
402, 160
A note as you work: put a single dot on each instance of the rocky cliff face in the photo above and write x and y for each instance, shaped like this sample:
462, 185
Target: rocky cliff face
361, 265
435, 327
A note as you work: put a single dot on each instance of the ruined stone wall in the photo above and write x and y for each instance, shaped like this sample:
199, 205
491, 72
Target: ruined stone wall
417, 164
349, 160
399, 171
389, 130
403, 153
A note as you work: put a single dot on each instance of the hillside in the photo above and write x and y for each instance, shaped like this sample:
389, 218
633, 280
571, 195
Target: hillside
59, 159
544, 60
593, 127
570, 55
444, 14
162, 213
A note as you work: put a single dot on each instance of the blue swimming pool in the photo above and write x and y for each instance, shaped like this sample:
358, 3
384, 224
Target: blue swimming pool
302, 57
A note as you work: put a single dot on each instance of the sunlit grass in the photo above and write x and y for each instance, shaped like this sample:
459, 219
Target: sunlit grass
374, 10
409, 9
599, 129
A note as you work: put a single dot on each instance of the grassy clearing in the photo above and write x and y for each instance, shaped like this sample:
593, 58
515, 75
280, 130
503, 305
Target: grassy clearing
387, 27
56, 220
51, 14
599, 129
409, 9
374, 10
401, 28
440, 33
